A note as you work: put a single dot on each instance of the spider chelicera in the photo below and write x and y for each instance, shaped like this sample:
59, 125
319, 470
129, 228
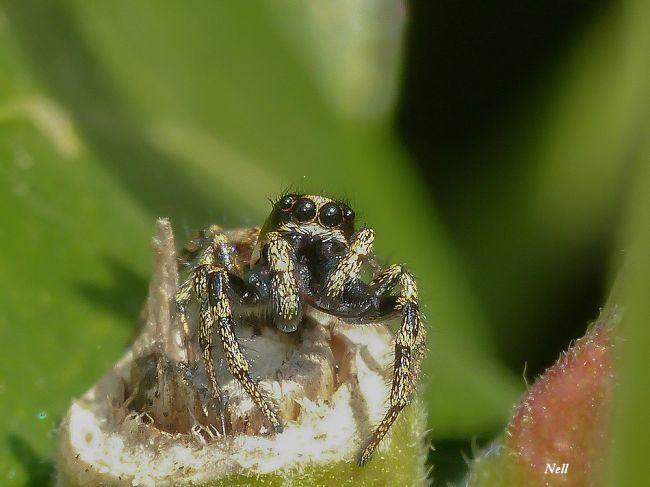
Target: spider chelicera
306, 254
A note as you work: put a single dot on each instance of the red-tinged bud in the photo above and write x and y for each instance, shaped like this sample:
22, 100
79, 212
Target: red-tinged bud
558, 434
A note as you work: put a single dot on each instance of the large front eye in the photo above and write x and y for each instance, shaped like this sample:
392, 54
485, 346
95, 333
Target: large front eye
304, 210
286, 203
330, 215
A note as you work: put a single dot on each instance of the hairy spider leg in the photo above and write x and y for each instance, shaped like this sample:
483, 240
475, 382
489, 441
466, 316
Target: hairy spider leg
210, 281
183, 297
206, 243
220, 311
409, 348
348, 268
206, 344
287, 303
197, 243
409, 341
198, 284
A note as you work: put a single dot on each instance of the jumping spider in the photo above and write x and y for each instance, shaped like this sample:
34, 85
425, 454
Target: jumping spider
306, 254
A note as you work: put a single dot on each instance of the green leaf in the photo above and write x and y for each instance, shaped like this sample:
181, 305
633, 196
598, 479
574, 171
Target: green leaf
631, 436
630, 441
550, 170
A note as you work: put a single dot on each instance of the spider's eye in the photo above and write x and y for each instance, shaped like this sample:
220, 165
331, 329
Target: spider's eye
348, 214
330, 215
304, 210
286, 203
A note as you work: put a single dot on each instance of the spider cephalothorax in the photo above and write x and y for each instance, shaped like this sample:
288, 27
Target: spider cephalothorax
306, 254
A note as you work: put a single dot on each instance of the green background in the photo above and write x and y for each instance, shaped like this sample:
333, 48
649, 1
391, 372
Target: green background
497, 149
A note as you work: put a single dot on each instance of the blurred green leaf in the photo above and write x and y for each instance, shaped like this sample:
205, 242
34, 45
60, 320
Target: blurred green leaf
67, 273
351, 49
631, 436
112, 114
550, 175
630, 443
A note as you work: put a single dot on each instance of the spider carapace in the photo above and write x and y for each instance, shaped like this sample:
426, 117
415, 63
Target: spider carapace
307, 253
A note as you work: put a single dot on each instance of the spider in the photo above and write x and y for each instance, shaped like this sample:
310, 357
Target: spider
307, 253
